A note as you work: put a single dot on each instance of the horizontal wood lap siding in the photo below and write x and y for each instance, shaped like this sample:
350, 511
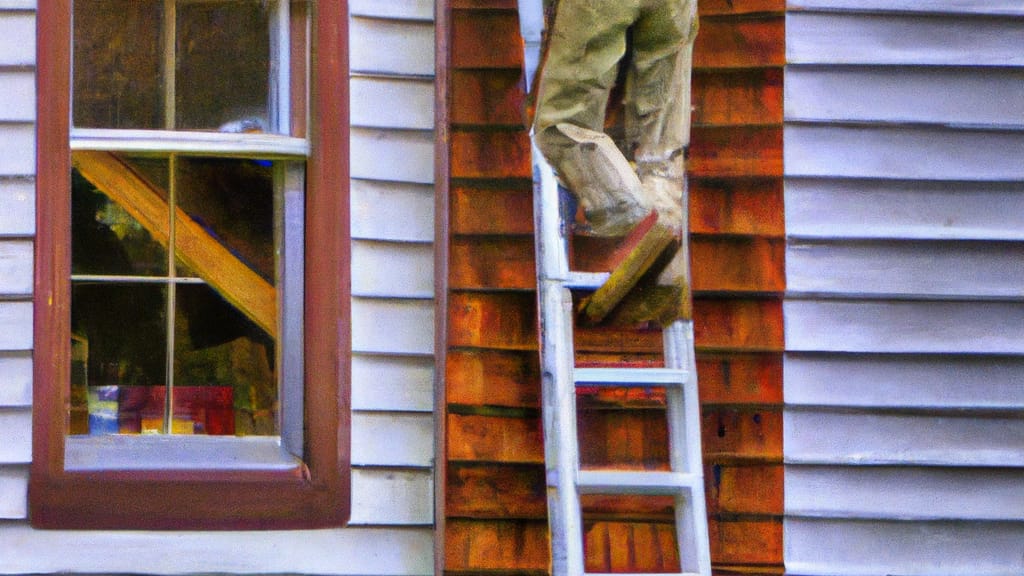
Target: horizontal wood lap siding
392, 425
494, 493
738, 261
495, 489
17, 226
903, 368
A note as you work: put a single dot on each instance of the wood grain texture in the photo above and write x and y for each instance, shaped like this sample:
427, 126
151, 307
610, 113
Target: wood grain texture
486, 39
736, 206
744, 42
506, 210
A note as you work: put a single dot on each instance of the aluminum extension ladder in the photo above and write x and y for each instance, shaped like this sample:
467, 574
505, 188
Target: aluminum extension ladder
560, 378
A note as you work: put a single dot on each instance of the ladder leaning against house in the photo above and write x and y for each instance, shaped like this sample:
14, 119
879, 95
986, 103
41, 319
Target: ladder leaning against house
566, 481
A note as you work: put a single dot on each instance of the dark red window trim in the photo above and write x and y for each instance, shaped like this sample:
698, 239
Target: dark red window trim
318, 495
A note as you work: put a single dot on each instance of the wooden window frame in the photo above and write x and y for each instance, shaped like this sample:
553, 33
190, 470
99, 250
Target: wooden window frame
313, 495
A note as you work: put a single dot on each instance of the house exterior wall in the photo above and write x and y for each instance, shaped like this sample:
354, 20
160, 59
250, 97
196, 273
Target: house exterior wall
392, 308
904, 190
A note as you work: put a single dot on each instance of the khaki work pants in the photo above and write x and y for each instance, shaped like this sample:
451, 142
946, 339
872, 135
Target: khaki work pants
586, 43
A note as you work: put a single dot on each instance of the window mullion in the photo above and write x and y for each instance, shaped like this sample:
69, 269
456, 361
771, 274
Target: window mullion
170, 32
172, 273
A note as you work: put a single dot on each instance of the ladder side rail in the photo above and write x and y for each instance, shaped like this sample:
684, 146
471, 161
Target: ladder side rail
561, 452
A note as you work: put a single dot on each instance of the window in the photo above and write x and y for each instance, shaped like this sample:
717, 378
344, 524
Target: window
192, 265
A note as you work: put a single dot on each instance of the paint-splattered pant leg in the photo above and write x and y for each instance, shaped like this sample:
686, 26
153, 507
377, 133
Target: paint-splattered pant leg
587, 42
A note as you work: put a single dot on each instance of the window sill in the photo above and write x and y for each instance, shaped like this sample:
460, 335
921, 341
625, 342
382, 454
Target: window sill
168, 453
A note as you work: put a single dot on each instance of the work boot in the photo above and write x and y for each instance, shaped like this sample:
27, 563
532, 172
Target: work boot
600, 176
662, 185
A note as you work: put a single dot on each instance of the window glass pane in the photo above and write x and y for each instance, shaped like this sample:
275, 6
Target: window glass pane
225, 367
106, 238
223, 65
232, 200
117, 64
119, 339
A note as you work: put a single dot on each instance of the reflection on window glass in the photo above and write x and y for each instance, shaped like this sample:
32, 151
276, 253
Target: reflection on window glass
223, 66
117, 64
173, 64
152, 338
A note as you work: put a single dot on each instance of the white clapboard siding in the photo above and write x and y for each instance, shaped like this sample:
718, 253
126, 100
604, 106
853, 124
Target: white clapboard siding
15, 379
15, 268
839, 38
921, 153
925, 269
391, 497
16, 447
15, 326
892, 326
397, 9
386, 269
878, 548
19, 101
392, 211
392, 383
904, 373
13, 492
927, 439
956, 382
17, 38
843, 208
387, 102
938, 95
392, 390
996, 7
392, 439
392, 326
17, 147
381, 551
909, 494
17, 207
393, 155
392, 47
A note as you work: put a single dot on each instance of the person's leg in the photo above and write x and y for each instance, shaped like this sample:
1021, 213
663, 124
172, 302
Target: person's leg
587, 41
658, 100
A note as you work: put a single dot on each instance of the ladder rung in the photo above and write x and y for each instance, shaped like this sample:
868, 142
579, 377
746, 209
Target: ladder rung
631, 377
634, 482
586, 280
